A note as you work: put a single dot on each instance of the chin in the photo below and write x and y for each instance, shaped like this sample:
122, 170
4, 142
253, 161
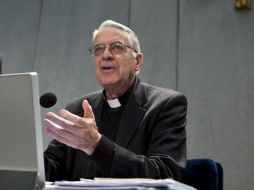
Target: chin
107, 82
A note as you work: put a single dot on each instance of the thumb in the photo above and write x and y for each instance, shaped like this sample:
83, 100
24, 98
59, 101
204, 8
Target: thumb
88, 112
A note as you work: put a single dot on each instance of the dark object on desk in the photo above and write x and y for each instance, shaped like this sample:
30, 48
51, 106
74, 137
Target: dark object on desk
204, 174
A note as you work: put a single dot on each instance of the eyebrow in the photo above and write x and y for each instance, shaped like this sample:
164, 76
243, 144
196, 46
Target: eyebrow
110, 43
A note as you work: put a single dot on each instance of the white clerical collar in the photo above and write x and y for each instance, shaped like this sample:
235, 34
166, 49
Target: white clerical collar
115, 103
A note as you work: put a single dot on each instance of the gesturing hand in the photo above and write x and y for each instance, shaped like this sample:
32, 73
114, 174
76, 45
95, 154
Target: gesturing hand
72, 130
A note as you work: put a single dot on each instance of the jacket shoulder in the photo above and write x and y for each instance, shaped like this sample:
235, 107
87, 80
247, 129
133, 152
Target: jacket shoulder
75, 106
160, 93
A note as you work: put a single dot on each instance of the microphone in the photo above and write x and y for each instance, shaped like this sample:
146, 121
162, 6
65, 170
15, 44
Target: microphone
48, 100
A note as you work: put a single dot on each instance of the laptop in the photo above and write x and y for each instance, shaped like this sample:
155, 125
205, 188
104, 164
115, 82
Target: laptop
21, 146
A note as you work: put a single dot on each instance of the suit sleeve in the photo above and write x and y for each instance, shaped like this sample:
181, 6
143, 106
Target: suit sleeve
165, 156
54, 159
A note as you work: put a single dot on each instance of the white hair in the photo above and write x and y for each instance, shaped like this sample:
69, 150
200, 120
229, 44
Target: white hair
133, 39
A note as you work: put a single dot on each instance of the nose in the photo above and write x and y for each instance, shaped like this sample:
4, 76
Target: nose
107, 54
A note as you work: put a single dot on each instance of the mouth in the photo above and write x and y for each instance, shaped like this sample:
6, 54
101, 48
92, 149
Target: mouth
107, 68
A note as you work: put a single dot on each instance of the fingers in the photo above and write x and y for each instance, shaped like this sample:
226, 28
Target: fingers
76, 120
54, 130
72, 130
58, 127
54, 121
68, 123
62, 136
57, 119
88, 112
68, 134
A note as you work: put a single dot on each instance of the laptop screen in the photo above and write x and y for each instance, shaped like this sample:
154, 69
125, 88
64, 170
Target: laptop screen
21, 144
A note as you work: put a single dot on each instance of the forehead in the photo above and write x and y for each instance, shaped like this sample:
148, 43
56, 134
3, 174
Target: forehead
111, 34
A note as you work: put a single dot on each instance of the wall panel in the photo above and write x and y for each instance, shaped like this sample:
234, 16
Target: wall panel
18, 34
216, 73
156, 26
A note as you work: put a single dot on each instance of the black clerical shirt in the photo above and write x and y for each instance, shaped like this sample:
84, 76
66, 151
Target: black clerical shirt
111, 116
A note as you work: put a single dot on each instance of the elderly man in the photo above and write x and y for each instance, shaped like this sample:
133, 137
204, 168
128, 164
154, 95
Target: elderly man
129, 129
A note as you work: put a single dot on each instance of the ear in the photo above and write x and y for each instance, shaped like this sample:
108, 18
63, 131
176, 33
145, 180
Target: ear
139, 61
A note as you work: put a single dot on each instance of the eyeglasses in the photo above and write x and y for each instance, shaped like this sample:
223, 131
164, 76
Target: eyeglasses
116, 48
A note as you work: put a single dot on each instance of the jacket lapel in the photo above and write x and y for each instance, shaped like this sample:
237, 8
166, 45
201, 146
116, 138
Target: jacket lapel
132, 115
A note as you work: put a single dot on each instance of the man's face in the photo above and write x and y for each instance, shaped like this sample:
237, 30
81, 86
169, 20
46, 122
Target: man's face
114, 70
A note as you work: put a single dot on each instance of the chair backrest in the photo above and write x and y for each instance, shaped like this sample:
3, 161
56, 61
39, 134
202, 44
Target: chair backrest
204, 174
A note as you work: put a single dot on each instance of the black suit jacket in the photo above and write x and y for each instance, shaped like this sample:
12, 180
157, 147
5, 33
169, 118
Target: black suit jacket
150, 141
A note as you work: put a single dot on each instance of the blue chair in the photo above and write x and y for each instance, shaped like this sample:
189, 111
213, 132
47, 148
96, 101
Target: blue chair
204, 174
